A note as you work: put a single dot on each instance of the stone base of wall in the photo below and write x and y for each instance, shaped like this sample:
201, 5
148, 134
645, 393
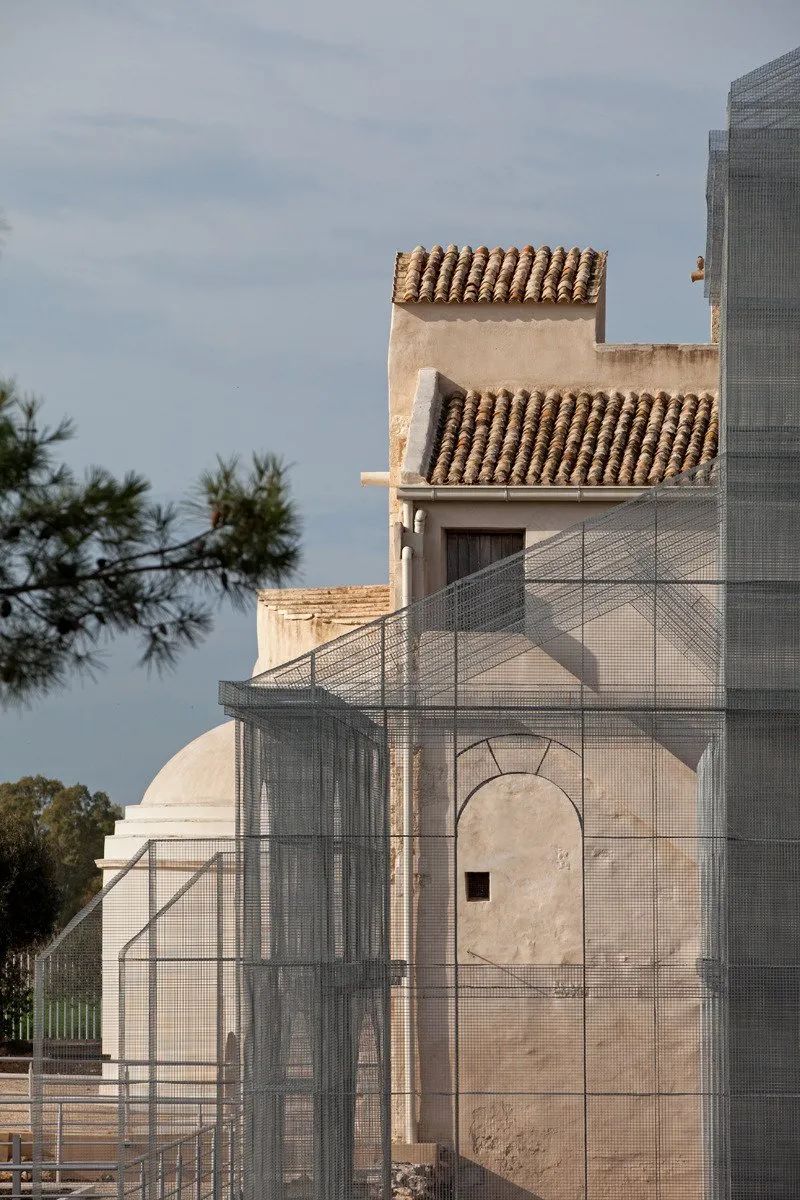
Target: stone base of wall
414, 1181
427, 1177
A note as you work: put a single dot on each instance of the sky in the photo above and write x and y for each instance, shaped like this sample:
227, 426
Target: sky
205, 198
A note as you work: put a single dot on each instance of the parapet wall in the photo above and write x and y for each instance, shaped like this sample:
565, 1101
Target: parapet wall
292, 621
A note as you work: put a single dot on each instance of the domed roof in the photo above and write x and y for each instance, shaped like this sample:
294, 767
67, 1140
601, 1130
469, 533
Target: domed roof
204, 772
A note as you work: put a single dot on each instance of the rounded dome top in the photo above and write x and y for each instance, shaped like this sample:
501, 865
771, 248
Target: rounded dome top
204, 772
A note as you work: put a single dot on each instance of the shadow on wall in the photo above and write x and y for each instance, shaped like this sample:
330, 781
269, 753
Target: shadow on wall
450, 1177
476, 1180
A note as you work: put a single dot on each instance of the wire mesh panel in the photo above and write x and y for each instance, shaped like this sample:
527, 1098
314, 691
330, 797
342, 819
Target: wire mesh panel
96, 1104
760, 282
179, 1033
316, 969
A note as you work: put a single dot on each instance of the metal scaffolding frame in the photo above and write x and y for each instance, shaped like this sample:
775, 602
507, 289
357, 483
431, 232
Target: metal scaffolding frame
575, 971
589, 668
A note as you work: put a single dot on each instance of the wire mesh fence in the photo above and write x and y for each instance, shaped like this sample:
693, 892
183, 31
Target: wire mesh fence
145, 1096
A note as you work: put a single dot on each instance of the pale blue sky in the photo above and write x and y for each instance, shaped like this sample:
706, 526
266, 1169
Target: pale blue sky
205, 198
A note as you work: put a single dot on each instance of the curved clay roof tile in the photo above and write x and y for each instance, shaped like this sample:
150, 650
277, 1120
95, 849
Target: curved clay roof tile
480, 437
699, 429
493, 265
505, 275
666, 440
683, 433
711, 440
550, 281
650, 439
416, 265
511, 440
530, 427
575, 431
635, 438
565, 283
591, 432
427, 285
605, 439
496, 437
479, 261
541, 261
502, 276
583, 276
460, 275
464, 439
616, 455
588, 439
541, 445
442, 292
447, 444
521, 272
558, 441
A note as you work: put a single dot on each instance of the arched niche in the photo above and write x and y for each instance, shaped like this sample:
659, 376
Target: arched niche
519, 889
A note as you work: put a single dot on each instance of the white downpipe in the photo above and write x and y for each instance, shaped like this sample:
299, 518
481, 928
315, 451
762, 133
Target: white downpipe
409, 1064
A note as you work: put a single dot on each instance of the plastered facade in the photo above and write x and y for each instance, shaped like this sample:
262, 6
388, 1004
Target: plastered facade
512, 345
563, 824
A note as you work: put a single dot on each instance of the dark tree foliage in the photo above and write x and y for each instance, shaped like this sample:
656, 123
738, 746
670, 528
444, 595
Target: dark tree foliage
84, 559
73, 823
29, 904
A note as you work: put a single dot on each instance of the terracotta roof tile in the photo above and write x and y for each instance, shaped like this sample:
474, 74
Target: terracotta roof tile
461, 275
573, 438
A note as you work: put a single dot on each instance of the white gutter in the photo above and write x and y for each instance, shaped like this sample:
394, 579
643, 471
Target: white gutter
406, 597
492, 491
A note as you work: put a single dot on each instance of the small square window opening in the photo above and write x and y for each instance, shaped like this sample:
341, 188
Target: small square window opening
477, 885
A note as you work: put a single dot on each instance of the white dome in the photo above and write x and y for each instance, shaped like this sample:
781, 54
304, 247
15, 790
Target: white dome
204, 772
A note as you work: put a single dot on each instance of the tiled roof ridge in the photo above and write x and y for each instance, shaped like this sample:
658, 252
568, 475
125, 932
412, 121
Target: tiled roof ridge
530, 275
573, 436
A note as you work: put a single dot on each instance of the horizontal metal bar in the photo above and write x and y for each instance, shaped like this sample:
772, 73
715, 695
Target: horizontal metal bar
73, 1101
59, 1166
520, 492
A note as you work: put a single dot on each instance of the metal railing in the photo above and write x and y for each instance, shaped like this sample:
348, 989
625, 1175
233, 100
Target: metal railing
200, 1164
197, 1164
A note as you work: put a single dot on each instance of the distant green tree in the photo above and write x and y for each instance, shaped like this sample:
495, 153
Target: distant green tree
82, 560
72, 823
29, 904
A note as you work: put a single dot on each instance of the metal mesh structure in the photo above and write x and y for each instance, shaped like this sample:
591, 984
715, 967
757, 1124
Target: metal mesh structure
547, 974
316, 970
761, 437
135, 1086
178, 1034
512, 909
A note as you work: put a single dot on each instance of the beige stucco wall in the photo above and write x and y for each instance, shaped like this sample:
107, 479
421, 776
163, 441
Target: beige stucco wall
540, 519
523, 999
292, 621
543, 345
534, 346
